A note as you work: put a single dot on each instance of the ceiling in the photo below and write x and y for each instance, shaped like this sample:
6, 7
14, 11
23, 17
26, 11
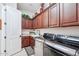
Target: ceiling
29, 8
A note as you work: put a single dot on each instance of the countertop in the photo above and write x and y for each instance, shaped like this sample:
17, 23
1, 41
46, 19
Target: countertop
39, 38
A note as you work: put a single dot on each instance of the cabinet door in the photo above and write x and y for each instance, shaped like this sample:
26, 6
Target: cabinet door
31, 41
34, 23
45, 19
54, 16
25, 41
29, 24
78, 12
26, 25
68, 14
42, 17
39, 21
23, 23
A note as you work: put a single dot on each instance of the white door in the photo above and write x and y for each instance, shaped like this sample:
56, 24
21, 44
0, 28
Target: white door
13, 30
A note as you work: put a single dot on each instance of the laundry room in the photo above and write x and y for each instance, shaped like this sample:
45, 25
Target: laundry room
39, 29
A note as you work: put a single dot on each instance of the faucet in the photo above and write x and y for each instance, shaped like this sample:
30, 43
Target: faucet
38, 31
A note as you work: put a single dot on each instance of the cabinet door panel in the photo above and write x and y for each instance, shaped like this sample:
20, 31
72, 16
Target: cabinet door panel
25, 41
39, 21
29, 24
45, 19
78, 12
68, 13
23, 23
54, 16
34, 24
26, 25
31, 41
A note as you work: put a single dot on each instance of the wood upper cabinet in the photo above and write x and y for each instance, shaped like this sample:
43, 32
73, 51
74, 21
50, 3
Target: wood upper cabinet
45, 18
29, 24
24, 23
35, 23
39, 21
63, 14
78, 13
54, 16
68, 14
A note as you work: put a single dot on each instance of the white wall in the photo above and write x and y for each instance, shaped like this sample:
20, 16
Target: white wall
74, 30
27, 13
14, 5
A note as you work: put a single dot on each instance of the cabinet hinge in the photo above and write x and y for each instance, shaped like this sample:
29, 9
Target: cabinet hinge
4, 50
20, 35
5, 9
5, 23
4, 37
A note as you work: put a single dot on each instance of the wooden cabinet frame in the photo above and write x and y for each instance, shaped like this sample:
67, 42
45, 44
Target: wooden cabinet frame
74, 21
67, 14
54, 8
45, 18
